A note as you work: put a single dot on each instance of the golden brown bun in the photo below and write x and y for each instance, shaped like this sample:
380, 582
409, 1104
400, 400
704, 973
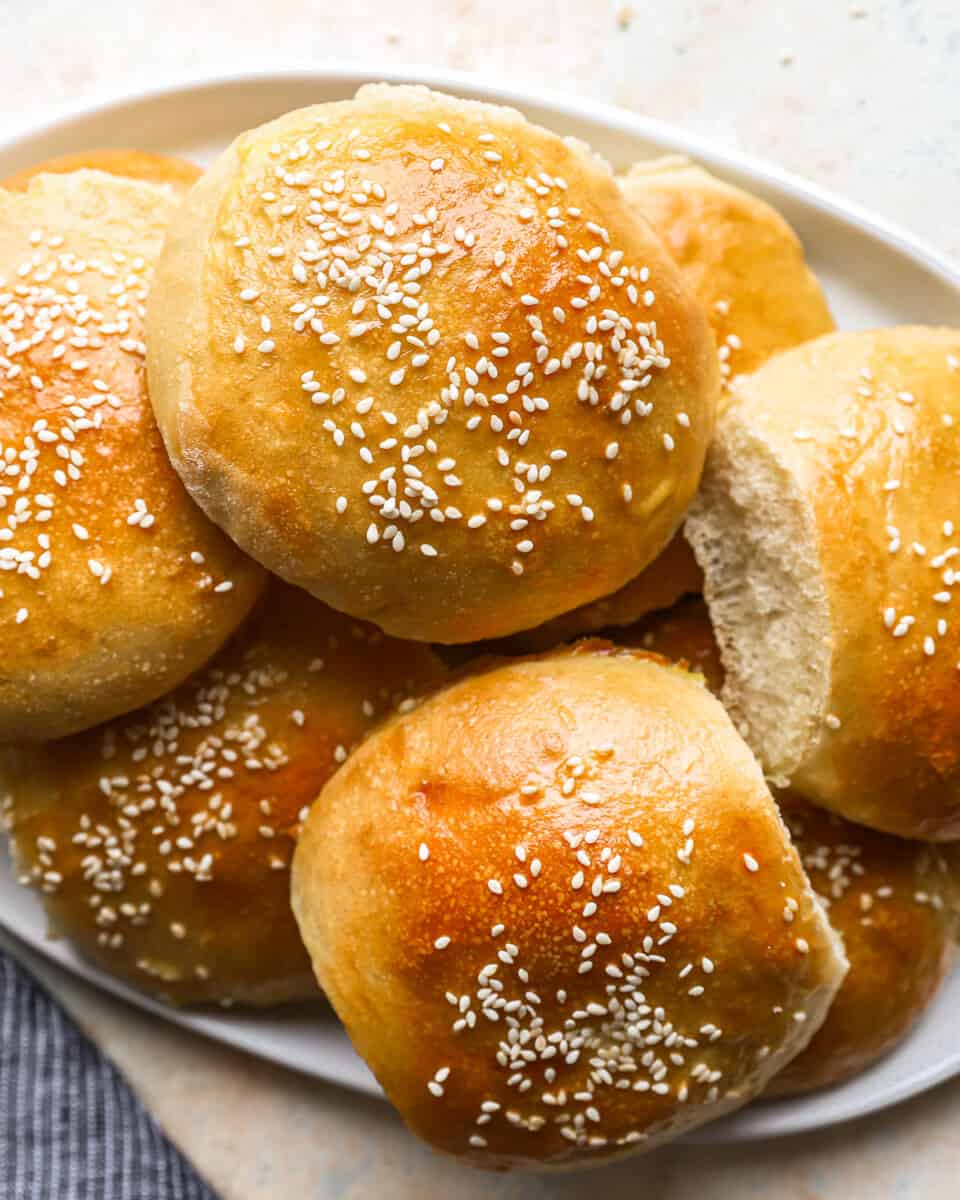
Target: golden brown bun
891, 900
129, 164
501, 394
603, 951
740, 256
161, 841
825, 531
113, 584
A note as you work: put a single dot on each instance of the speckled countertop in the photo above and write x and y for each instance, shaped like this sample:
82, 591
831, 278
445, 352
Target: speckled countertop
862, 98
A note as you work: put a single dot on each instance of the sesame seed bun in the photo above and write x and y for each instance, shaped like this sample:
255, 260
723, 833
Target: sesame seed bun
161, 841
612, 941
739, 255
892, 901
416, 355
824, 528
128, 164
114, 586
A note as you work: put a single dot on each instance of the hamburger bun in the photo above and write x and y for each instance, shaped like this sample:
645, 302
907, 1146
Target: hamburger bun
891, 901
825, 530
612, 941
114, 586
161, 841
416, 355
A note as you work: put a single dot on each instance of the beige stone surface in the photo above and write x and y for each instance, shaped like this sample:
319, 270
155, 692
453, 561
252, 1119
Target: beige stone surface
864, 99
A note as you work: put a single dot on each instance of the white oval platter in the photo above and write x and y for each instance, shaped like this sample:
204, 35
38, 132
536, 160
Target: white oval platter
873, 273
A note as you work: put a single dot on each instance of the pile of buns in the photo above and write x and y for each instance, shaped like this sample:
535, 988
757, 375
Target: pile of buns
321, 472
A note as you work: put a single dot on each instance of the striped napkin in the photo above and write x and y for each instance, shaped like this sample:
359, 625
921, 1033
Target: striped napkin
70, 1127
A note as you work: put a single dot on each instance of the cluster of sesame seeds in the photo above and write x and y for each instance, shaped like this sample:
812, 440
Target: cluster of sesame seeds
925, 626
901, 622
727, 346
49, 329
922, 616
566, 1052
352, 247
843, 865
169, 816
59, 312
166, 810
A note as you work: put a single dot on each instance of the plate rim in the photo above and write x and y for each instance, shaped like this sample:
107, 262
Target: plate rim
499, 90
851, 215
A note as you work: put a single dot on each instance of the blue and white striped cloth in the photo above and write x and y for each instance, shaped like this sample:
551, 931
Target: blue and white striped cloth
70, 1127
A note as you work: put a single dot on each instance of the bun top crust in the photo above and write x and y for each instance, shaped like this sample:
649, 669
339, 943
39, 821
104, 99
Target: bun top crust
128, 164
113, 584
613, 940
161, 841
853, 441
416, 355
742, 259
891, 900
